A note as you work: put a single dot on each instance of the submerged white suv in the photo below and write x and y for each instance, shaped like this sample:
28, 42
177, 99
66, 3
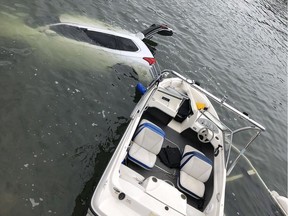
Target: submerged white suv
135, 47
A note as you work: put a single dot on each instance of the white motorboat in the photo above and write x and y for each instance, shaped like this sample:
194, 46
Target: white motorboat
175, 154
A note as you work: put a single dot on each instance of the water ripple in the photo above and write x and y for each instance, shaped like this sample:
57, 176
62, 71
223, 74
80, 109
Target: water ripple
62, 116
5, 63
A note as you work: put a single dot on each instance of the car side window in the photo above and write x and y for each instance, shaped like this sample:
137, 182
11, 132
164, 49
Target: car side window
102, 39
126, 44
71, 32
97, 38
112, 41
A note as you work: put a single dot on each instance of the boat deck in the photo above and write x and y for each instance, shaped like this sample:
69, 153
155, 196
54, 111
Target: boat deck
174, 139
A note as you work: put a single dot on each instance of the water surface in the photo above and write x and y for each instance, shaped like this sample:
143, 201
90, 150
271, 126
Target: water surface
63, 109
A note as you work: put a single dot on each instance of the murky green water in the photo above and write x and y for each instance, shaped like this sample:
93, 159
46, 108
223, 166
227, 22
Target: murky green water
63, 108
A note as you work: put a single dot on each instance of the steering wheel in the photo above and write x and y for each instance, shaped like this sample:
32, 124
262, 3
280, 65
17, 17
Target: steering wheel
205, 135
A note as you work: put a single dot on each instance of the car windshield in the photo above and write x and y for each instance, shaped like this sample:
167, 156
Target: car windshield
96, 38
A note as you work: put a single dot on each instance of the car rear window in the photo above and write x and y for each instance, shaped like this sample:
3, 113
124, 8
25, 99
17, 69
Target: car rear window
97, 38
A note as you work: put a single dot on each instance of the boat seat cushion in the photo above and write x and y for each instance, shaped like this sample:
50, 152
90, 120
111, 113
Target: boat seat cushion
149, 136
141, 156
195, 170
190, 185
196, 164
147, 143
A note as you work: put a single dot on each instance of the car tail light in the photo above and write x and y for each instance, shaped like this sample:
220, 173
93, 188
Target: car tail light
151, 61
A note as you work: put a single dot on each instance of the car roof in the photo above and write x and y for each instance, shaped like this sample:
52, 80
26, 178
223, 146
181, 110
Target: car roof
124, 34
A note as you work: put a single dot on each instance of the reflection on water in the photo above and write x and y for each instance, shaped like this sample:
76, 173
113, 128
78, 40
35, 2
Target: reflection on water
244, 176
